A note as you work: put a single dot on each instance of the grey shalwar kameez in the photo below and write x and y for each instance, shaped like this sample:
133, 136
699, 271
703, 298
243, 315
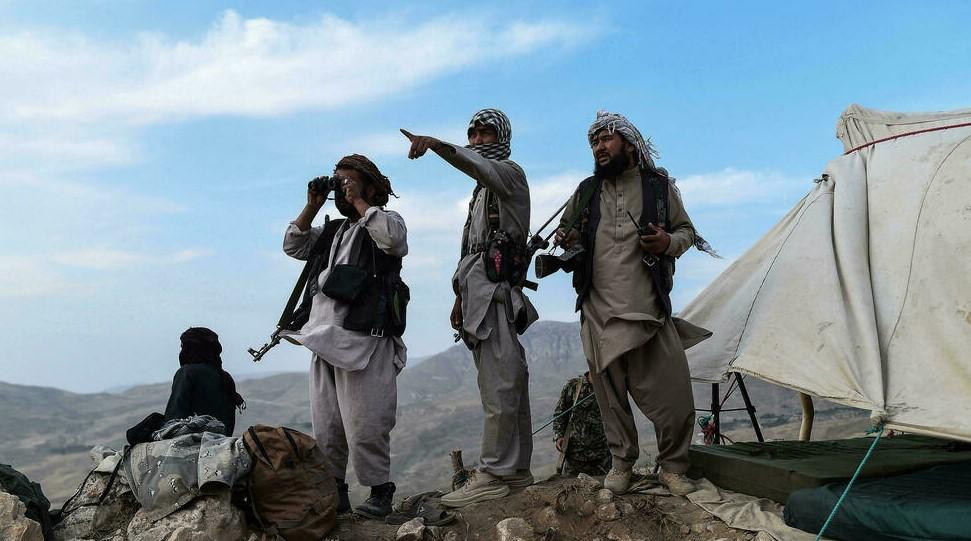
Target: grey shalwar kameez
489, 312
630, 345
353, 391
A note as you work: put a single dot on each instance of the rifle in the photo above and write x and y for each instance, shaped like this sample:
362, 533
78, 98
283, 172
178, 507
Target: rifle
538, 242
568, 433
292, 317
289, 319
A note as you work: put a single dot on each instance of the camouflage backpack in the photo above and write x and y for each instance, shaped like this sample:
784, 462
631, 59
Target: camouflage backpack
291, 491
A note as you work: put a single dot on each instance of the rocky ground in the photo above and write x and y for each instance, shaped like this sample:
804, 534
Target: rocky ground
558, 509
561, 509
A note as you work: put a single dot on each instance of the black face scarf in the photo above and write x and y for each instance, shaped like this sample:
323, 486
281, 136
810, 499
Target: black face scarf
499, 150
201, 346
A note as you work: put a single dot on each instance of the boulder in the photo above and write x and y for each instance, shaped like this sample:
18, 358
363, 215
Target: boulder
87, 520
605, 495
587, 508
548, 518
608, 512
625, 508
514, 529
14, 526
413, 530
206, 517
589, 483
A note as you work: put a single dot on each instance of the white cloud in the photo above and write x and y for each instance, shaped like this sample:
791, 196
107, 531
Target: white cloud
425, 215
548, 193
430, 215
56, 149
731, 186
252, 67
97, 258
390, 142
53, 273
115, 259
22, 276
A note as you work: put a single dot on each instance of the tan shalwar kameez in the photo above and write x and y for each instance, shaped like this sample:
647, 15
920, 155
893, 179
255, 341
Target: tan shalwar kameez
353, 387
630, 345
489, 312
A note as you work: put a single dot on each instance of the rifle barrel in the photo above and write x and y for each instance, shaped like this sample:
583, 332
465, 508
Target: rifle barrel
555, 214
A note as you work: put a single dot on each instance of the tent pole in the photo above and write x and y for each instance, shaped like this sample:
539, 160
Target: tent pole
749, 407
808, 413
715, 413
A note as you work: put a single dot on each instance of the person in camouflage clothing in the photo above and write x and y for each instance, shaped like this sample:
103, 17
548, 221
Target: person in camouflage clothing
580, 433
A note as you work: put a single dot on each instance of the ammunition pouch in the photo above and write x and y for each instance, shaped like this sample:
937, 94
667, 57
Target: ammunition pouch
505, 258
345, 283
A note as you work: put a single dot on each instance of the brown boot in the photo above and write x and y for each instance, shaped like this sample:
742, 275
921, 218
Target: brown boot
617, 480
677, 483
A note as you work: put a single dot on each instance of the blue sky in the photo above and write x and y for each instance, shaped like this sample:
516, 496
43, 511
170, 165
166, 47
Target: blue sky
151, 154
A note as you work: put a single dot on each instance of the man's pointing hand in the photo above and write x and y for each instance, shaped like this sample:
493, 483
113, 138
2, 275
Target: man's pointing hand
420, 144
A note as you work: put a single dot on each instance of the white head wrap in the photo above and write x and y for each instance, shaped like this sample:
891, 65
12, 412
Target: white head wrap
613, 122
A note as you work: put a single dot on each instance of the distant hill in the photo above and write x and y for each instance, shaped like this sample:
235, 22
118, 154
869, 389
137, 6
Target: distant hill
48, 432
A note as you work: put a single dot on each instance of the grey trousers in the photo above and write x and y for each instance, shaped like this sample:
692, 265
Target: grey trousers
656, 377
353, 414
507, 441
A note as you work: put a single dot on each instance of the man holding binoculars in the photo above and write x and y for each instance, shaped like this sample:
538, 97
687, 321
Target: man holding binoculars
355, 325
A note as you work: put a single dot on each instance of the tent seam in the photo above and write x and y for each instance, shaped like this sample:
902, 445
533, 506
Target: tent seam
913, 246
758, 292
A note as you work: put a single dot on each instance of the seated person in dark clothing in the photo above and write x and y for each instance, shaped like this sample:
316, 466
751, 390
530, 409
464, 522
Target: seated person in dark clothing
201, 386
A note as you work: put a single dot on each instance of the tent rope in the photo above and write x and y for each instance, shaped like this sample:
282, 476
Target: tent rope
707, 422
832, 514
908, 134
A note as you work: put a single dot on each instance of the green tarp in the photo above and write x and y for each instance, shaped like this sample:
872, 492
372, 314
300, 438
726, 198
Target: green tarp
929, 504
775, 469
30, 493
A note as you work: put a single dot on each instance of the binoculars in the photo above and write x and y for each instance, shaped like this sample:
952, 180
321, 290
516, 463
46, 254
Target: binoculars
324, 185
547, 264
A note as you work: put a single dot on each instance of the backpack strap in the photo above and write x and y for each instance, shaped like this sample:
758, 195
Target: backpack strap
259, 444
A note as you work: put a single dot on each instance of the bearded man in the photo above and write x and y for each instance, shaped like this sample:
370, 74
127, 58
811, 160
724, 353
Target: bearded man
355, 326
490, 309
631, 224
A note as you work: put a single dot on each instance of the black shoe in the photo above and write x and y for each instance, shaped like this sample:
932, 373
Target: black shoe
343, 500
378, 504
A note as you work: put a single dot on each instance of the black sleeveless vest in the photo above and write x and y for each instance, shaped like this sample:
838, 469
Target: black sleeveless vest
380, 308
654, 199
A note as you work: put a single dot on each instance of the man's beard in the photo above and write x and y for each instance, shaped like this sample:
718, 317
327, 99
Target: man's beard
613, 168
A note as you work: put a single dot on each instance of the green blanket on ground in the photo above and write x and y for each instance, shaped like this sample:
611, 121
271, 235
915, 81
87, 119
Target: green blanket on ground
929, 504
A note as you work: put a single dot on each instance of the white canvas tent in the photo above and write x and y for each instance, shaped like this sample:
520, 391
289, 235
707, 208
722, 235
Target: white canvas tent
861, 294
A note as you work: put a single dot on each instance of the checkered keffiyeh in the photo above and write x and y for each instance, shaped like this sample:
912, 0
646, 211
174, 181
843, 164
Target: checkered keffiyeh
613, 122
498, 120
